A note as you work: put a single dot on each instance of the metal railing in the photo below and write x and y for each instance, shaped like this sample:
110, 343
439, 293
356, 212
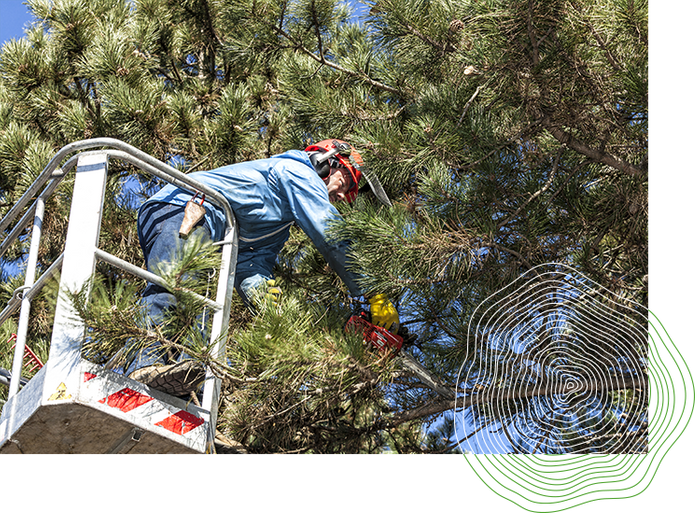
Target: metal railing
47, 182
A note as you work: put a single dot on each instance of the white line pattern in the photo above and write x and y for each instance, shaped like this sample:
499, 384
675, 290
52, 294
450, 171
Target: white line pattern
566, 366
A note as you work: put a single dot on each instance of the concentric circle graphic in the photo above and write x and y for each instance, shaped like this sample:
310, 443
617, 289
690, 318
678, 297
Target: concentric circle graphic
556, 364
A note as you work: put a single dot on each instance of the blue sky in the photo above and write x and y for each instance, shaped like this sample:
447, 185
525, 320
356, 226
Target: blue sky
13, 16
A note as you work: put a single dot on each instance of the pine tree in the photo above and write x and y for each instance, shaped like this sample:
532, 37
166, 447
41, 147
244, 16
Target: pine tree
507, 134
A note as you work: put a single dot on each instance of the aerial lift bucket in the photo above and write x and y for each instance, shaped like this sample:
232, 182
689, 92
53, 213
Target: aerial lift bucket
74, 406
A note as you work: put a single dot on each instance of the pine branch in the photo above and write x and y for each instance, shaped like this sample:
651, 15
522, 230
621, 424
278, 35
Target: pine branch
443, 48
499, 247
322, 60
420, 412
522, 133
546, 186
596, 155
531, 34
610, 385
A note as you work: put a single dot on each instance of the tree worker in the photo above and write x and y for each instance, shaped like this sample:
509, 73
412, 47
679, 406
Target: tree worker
267, 197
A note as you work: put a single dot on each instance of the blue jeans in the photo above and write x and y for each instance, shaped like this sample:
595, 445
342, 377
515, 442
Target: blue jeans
159, 224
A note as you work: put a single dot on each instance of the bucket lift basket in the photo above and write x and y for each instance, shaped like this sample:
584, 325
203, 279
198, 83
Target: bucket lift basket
72, 405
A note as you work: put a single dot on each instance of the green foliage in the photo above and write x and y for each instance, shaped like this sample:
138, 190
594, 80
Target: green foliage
297, 369
116, 321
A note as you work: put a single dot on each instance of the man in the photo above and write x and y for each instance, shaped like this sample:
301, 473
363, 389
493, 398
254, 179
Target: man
267, 196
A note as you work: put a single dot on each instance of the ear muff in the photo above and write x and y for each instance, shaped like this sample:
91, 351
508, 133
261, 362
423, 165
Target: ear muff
322, 168
331, 153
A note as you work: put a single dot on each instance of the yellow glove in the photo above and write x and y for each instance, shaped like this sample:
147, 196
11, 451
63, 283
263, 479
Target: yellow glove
273, 293
383, 313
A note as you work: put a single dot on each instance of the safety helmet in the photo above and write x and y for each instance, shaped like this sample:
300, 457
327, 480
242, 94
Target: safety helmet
330, 153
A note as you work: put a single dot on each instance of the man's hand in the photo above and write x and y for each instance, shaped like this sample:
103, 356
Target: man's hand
383, 313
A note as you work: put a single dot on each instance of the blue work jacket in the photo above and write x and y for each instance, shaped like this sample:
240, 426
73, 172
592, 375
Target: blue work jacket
267, 196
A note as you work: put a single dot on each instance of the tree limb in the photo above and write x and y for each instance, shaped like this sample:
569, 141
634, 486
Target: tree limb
533, 37
630, 382
466, 401
598, 156
536, 194
420, 412
517, 255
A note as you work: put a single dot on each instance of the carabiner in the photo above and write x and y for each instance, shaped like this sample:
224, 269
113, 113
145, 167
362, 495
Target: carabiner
195, 197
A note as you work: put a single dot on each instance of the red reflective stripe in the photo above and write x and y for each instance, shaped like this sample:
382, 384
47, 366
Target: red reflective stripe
88, 376
126, 399
181, 422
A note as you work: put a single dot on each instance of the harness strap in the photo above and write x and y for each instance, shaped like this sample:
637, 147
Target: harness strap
245, 239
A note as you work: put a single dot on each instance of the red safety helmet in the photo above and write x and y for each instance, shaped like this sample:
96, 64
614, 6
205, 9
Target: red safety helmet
330, 153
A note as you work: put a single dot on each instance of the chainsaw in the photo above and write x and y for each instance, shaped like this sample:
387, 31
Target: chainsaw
375, 336
381, 339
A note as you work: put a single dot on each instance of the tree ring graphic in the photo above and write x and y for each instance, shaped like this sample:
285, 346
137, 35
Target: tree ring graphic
569, 393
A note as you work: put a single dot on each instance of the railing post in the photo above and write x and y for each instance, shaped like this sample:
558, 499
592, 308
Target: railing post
29, 276
78, 266
227, 272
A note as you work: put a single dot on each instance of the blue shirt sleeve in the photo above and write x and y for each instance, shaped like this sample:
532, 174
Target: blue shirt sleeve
307, 197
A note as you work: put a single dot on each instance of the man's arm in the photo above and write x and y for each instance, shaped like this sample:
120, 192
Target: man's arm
313, 212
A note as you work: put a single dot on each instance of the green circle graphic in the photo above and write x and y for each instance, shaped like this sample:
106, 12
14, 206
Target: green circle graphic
567, 483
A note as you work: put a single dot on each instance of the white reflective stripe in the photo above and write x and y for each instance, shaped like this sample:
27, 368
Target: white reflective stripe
244, 239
